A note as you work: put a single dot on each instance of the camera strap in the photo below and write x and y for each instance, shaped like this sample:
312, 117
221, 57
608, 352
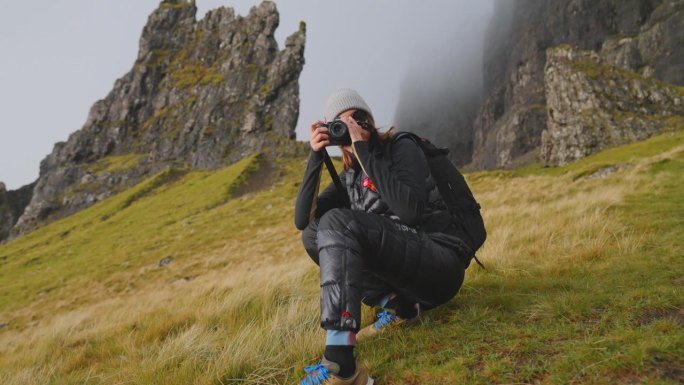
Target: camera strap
335, 178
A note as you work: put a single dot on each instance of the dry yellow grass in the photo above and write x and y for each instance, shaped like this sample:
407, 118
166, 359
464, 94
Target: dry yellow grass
554, 219
221, 322
245, 309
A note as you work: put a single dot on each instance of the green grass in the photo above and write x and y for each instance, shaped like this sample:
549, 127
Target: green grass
191, 75
610, 157
115, 163
174, 4
94, 244
583, 284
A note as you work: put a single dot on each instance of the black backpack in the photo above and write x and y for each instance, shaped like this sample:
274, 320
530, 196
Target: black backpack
452, 186
464, 209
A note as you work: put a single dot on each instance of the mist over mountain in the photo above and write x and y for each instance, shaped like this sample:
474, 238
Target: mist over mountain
442, 88
485, 97
643, 37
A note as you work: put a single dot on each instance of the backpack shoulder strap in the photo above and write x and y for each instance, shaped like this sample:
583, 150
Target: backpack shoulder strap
428, 148
406, 134
401, 135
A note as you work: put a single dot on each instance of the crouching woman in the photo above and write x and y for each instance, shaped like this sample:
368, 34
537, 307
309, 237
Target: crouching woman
390, 244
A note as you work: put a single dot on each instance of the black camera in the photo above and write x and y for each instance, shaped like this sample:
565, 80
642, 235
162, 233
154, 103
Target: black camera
338, 133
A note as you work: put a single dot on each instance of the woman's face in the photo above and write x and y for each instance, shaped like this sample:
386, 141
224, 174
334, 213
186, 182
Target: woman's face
364, 134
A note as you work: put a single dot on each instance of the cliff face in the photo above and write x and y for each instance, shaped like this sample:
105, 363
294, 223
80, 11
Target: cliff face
593, 105
201, 94
12, 205
644, 36
6, 218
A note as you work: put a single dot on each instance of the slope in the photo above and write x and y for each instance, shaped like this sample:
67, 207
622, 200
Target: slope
180, 280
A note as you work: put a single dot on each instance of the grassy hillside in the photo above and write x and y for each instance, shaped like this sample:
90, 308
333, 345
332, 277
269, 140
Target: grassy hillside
196, 277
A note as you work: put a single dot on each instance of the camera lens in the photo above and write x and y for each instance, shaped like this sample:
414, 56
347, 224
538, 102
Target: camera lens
337, 128
339, 134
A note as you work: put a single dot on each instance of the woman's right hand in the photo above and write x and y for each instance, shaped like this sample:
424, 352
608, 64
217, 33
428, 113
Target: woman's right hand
319, 135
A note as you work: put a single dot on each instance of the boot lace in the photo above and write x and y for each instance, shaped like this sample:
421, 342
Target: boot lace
385, 318
316, 374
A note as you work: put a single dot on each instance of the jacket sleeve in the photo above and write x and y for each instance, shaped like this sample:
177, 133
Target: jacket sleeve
401, 181
309, 203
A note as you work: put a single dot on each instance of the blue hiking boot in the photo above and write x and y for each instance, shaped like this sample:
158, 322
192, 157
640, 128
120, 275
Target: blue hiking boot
386, 321
325, 373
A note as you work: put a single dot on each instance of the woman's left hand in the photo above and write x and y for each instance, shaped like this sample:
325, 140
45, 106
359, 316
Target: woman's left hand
354, 129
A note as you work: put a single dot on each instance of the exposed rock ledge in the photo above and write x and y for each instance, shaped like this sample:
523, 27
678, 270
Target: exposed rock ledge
592, 105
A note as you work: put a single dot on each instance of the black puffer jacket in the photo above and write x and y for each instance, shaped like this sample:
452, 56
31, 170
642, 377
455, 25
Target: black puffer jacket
405, 193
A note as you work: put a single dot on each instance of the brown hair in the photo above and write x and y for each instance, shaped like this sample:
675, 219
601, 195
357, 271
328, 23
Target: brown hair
348, 158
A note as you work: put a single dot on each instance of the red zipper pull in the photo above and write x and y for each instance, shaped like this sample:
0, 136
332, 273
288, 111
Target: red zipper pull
368, 184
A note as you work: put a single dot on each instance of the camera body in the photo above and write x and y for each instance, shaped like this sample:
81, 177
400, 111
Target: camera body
338, 133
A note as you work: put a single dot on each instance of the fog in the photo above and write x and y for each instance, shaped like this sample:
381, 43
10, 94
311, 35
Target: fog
442, 88
61, 57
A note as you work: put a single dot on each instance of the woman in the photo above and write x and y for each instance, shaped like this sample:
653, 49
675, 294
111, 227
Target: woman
393, 245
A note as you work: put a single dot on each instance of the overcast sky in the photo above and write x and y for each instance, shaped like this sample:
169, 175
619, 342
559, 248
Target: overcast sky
59, 57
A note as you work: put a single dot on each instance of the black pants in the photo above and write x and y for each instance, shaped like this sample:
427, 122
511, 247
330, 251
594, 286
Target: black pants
363, 257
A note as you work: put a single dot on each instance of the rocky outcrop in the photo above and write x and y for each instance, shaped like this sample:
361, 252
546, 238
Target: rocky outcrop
6, 218
201, 94
12, 205
657, 50
593, 105
646, 36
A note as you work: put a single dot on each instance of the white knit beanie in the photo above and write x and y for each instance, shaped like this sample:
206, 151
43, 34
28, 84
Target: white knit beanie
342, 100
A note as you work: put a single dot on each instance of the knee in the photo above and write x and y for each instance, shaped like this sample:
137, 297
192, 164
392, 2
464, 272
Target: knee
309, 240
335, 219
334, 228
